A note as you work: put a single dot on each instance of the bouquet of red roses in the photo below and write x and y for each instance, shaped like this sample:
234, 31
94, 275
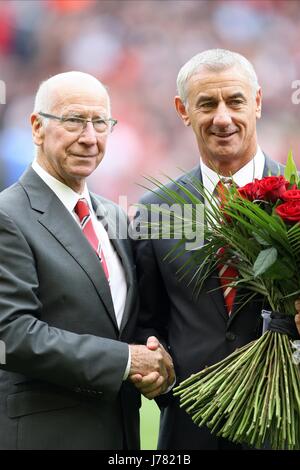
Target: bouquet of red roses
253, 395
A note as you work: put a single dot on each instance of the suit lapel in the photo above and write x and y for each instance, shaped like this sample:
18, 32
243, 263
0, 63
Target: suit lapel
61, 225
272, 168
212, 284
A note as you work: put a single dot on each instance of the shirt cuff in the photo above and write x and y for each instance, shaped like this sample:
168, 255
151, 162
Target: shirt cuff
127, 370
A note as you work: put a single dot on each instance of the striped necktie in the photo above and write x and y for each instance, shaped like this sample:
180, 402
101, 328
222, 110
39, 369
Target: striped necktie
83, 211
227, 273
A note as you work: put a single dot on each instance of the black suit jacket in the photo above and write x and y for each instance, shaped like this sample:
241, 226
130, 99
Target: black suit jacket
62, 385
197, 330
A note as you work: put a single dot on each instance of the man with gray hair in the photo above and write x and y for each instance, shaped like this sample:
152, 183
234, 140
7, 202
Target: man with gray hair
220, 99
68, 296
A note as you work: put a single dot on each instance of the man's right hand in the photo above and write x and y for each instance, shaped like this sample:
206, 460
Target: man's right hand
152, 369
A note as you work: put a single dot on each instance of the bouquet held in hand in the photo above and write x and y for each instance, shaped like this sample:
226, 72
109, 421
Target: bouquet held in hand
253, 395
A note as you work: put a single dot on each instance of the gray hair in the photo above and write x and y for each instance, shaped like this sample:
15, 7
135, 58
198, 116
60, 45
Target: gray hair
215, 60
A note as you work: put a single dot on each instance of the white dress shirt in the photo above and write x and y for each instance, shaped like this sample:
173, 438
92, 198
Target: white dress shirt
117, 280
246, 174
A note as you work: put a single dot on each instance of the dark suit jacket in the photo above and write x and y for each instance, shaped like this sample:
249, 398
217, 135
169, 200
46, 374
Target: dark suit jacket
62, 385
197, 330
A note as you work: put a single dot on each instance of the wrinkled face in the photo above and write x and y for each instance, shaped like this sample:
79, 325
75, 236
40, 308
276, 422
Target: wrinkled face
222, 110
67, 155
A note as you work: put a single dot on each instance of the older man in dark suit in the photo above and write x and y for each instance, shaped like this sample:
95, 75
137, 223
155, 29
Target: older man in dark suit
220, 99
68, 297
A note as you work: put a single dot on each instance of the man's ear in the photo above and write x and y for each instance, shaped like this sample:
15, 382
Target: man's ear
38, 131
258, 100
182, 111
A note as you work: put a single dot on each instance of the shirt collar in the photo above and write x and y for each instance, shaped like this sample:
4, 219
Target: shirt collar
246, 174
64, 193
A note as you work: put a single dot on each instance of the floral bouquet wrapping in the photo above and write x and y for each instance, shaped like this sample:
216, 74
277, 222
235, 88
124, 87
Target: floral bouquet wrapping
253, 395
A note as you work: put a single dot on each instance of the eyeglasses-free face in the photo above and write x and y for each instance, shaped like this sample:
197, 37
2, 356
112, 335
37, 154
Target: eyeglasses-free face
77, 124
222, 109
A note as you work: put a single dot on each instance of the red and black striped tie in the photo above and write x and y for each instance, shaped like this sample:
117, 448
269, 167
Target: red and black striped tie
227, 273
83, 211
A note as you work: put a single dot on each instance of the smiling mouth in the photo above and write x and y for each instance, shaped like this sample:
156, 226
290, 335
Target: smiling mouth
224, 135
84, 156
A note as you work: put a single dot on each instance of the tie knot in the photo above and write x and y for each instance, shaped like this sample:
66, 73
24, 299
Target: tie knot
222, 188
82, 209
228, 182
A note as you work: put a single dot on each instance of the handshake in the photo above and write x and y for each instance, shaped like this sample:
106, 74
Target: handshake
151, 370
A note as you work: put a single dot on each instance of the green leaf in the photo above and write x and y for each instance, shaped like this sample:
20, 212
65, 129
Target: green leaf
260, 239
290, 171
264, 260
280, 271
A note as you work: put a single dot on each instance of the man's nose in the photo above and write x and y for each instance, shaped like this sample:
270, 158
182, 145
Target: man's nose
88, 135
222, 116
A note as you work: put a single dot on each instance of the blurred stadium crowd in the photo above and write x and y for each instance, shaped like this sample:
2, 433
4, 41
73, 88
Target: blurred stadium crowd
136, 47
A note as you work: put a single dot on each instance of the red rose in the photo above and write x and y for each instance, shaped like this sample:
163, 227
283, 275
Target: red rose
249, 191
289, 211
272, 188
291, 195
